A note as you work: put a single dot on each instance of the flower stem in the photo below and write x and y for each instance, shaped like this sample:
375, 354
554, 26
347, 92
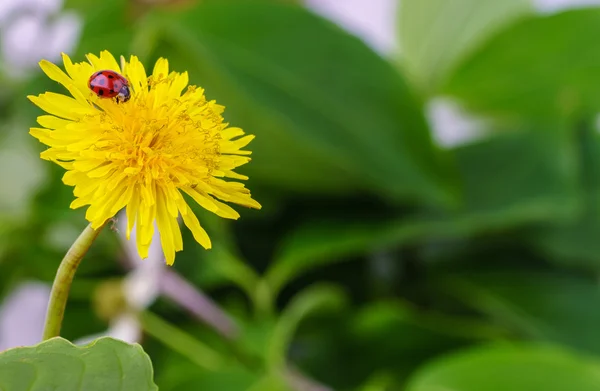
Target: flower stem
62, 281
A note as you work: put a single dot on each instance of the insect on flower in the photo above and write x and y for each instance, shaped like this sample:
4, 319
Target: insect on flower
168, 147
110, 84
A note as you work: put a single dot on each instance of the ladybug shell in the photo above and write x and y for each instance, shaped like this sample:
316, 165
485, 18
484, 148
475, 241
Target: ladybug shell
107, 84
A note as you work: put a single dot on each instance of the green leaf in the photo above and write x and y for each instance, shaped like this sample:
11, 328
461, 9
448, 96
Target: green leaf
180, 341
271, 382
221, 266
315, 298
575, 242
329, 114
530, 174
380, 382
230, 380
436, 34
543, 66
509, 180
409, 330
398, 337
313, 245
104, 364
178, 374
218, 267
514, 368
186, 361
542, 306
572, 243
386, 337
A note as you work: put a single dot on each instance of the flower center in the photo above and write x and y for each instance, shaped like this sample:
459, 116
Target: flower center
178, 142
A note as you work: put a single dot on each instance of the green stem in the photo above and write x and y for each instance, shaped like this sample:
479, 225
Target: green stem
263, 299
64, 278
181, 342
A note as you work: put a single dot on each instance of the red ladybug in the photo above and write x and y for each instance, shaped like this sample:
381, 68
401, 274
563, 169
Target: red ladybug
110, 84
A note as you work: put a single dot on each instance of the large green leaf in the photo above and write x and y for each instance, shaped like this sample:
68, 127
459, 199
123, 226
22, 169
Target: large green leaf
531, 174
575, 242
541, 306
436, 34
543, 66
514, 368
509, 180
521, 166
329, 114
104, 364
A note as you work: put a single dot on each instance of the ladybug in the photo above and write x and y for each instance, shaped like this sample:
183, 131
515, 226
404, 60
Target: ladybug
110, 84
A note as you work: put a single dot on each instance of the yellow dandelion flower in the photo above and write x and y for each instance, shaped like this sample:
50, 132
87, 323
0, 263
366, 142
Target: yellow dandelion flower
143, 154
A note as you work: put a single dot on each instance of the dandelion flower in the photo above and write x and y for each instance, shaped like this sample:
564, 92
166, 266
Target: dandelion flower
146, 154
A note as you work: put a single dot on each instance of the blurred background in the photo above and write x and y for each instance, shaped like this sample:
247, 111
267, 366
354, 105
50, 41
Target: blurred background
429, 172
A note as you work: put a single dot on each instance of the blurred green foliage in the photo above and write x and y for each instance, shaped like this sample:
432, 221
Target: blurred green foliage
381, 261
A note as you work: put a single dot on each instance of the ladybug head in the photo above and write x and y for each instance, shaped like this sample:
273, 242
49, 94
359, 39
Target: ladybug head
124, 94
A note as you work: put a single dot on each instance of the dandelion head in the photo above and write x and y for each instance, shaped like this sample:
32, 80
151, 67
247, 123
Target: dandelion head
165, 145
